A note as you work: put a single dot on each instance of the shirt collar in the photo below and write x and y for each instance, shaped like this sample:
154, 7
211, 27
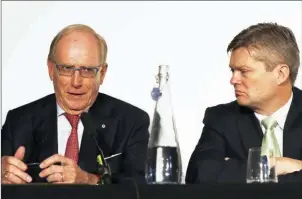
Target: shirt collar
60, 111
280, 115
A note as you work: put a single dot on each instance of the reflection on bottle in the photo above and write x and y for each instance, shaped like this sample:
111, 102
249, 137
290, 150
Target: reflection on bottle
163, 165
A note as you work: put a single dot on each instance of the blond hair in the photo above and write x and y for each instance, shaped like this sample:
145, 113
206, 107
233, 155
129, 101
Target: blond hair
274, 44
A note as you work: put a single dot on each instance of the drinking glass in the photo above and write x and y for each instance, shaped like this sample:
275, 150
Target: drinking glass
261, 167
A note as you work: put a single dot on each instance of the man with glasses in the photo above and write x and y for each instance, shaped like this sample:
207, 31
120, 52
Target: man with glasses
49, 131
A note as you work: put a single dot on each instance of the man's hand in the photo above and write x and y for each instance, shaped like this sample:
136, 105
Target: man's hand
67, 172
13, 168
286, 165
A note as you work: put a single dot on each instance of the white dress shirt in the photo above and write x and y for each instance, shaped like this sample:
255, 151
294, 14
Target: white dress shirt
280, 116
64, 130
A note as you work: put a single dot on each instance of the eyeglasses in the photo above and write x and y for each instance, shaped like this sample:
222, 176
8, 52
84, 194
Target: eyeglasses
86, 72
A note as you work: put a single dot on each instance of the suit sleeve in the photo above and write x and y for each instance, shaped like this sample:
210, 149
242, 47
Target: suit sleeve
6, 137
291, 177
207, 163
136, 152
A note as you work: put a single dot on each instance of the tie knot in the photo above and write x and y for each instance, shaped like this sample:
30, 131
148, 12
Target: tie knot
269, 122
73, 119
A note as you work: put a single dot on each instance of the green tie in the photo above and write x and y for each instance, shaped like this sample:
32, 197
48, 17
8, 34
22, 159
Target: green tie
269, 141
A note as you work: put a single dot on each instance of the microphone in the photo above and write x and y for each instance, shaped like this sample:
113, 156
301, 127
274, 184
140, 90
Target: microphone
103, 168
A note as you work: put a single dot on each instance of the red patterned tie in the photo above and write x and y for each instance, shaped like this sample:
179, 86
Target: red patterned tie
72, 146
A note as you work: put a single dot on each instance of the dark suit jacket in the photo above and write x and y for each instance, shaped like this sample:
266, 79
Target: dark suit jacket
230, 131
34, 126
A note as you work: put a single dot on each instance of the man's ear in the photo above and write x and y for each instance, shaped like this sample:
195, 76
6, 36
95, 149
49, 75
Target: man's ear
50, 65
103, 72
282, 73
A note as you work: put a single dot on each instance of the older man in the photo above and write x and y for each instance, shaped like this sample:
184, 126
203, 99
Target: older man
49, 131
267, 113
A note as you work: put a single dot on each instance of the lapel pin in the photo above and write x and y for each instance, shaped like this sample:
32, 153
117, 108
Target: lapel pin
103, 126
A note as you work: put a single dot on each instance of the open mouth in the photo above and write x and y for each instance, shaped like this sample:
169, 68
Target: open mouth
76, 94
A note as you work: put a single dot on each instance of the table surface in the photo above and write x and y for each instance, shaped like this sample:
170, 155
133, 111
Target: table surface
140, 191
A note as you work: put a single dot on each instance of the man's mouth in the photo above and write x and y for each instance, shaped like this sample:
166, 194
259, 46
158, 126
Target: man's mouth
76, 94
239, 93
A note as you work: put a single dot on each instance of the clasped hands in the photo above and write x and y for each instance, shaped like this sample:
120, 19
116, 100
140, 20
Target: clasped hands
13, 170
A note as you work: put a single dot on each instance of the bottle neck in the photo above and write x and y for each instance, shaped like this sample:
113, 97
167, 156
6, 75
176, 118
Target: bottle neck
162, 80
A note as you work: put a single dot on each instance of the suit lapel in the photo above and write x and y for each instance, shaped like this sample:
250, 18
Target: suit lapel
292, 133
87, 157
106, 127
45, 134
249, 129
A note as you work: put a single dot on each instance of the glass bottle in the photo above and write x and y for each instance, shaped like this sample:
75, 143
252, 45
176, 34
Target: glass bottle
164, 165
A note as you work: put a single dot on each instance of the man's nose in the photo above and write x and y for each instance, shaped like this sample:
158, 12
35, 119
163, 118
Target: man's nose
77, 79
236, 79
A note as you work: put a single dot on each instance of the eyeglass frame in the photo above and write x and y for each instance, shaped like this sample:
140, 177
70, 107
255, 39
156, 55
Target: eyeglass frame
73, 68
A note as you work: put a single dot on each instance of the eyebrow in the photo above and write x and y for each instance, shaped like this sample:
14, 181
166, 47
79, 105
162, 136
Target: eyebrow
242, 66
87, 66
